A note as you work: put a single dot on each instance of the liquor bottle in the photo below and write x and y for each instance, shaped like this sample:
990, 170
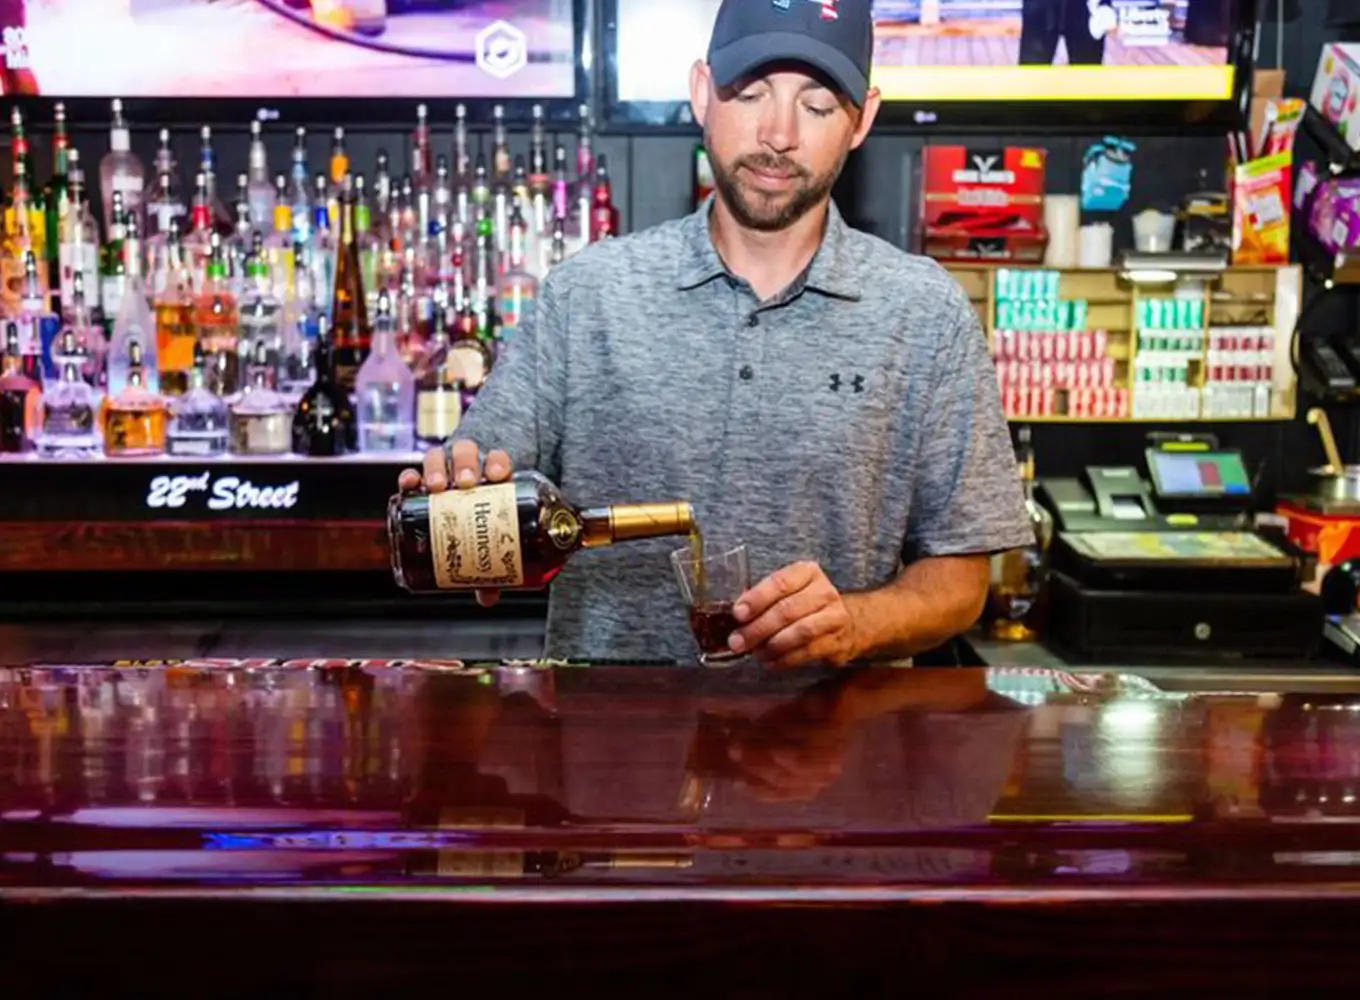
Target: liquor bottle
85, 345
259, 188
500, 148
557, 247
299, 193
70, 408
176, 335
166, 205
352, 335
323, 424
79, 237
385, 391
259, 421
470, 358
25, 223
439, 397
57, 195
121, 173
513, 535
261, 314
113, 265
519, 288
323, 245
198, 420
135, 417
604, 217
216, 321
38, 325
134, 327
1017, 599
20, 399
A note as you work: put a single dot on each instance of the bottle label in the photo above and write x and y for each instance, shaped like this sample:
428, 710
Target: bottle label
438, 412
474, 538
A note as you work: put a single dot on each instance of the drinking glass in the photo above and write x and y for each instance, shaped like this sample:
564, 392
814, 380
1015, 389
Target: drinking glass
710, 586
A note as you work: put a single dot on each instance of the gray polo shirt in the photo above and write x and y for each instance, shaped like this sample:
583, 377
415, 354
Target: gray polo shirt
853, 419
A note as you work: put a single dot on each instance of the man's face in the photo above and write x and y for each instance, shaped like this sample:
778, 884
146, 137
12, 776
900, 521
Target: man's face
777, 141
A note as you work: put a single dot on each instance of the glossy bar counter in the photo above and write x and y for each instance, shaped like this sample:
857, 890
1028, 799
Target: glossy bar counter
344, 828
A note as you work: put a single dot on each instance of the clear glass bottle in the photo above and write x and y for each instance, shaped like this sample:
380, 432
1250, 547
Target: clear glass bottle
85, 345
323, 424
1017, 598
78, 252
120, 172
70, 408
385, 390
215, 319
20, 399
133, 327
135, 417
198, 419
261, 313
260, 420
519, 288
260, 191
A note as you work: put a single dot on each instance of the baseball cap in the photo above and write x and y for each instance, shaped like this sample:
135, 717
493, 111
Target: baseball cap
834, 36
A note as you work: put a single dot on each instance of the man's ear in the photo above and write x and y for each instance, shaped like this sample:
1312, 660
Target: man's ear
700, 90
873, 100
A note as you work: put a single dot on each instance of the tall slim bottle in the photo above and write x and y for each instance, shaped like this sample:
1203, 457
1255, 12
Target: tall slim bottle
121, 172
385, 391
1017, 599
134, 328
351, 333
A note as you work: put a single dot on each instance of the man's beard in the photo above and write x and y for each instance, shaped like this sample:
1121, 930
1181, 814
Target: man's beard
754, 210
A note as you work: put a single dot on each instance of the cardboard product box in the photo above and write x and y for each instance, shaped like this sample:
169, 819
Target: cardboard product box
1336, 89
1333, 218
1266, 85
983, 204
1262, 206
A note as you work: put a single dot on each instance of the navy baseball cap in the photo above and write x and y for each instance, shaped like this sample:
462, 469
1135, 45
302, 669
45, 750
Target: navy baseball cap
833, 36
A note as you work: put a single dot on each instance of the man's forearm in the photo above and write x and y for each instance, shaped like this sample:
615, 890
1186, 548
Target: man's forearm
930, 602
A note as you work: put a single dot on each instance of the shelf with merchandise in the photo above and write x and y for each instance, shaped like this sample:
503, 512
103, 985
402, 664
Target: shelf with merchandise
1087, 345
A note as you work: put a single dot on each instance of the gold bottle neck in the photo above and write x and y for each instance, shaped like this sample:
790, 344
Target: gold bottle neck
624, 522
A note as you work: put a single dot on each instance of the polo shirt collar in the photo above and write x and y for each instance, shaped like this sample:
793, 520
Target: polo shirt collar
832, 271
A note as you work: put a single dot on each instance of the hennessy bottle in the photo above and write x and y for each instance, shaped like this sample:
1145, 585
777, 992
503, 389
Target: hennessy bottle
515, 535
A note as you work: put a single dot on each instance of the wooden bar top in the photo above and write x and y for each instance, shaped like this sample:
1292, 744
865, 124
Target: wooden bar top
363, 824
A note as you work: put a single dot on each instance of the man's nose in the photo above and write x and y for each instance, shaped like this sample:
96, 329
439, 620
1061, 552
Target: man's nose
779, 126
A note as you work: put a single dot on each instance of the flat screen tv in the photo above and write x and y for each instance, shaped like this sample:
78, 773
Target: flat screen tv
996, 64
205, 60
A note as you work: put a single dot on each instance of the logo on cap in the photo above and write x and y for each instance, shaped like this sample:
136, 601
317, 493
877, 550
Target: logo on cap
829, 12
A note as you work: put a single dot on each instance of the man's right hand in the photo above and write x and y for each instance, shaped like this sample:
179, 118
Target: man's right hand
466, 473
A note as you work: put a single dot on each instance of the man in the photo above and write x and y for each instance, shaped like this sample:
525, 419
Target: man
1083, 24
811, 390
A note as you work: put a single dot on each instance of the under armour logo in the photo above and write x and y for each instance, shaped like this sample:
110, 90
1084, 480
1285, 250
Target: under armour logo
856, 383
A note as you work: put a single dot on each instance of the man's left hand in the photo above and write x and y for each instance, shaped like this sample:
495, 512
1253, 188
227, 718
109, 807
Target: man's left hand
793, 617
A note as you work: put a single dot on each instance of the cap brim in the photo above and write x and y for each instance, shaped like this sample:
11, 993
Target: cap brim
732, 62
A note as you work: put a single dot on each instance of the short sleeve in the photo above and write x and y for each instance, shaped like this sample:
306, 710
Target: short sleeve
967, 498
519, 407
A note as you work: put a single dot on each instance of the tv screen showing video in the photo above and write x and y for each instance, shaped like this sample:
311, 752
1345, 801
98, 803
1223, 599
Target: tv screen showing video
940, 51
425, 49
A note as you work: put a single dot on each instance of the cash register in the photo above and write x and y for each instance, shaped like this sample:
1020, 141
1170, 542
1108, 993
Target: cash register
1164, 562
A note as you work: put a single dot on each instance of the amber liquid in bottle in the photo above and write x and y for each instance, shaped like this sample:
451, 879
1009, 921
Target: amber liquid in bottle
350, 331
1017, 597
515, 535
175, 341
